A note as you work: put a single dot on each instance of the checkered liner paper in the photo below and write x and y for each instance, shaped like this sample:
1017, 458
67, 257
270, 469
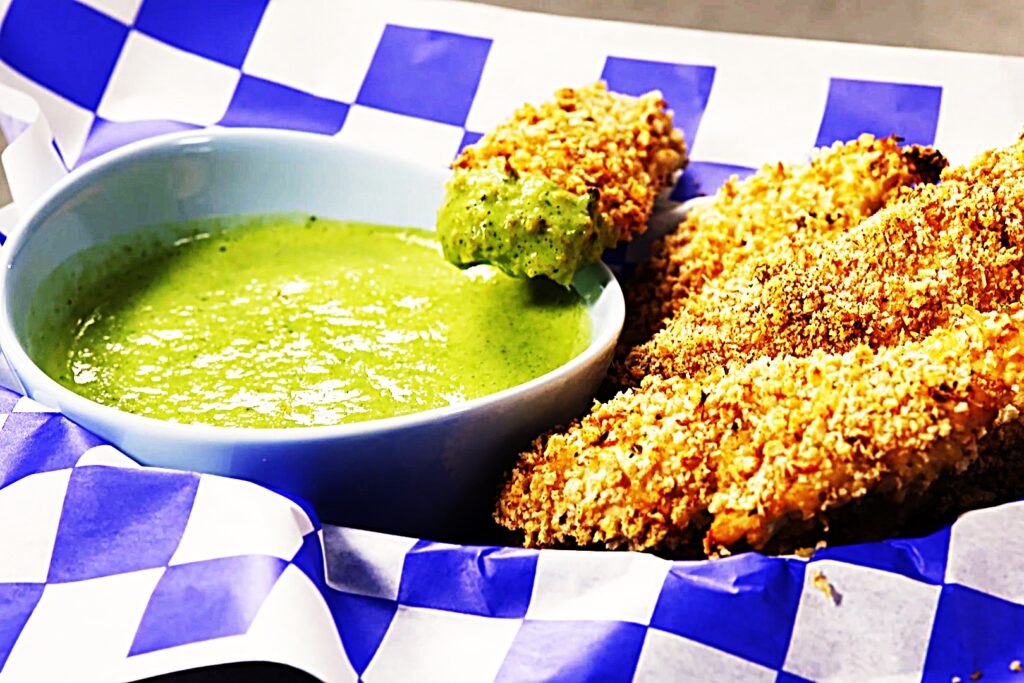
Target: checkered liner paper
112, 571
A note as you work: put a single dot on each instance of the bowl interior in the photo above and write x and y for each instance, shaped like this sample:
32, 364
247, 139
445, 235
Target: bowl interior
426, 474
195, 175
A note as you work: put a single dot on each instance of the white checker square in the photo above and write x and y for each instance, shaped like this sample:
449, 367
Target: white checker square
124, 11
69, 122
153, 80
426, 142
80, 631
32, 164
190, 656
108, 456
231, 517
667, 657
30, 510
529, 66
571, 585
971, 560
364, 562
27, 405
323, 47
427, 645
762, 112
295, 625
879, 628
965, 129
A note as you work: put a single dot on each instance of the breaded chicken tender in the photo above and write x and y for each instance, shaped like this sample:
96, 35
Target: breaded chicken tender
590, 138
546, 192
814, 377
895, 277
739, 456
835, 190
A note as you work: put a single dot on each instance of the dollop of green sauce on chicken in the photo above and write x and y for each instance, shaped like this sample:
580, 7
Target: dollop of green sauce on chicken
526, 225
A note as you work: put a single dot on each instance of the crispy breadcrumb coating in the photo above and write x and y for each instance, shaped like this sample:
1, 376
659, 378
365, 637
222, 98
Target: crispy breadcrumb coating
589, 138
815, 377
773, 442
838, 188
894, 277
995, 477
927, 406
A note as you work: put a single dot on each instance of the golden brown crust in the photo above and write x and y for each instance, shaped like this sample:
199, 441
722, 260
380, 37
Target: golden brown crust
894, 277
591, 139
892, 420
813, 378
773, 441
838, 188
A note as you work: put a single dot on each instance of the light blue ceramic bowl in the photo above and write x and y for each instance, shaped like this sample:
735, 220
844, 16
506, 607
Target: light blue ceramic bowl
430, 474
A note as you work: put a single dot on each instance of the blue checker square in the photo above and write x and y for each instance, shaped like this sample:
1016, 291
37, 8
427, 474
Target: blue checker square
685, 87
702, 178
972, 632
362, 623
854, 107
468, 138
47, 41
606, 651
221, 31
40, 442
427, 74
17, 602
115, 521
265, 104
309, 558
745, 605
922, 559
490, 582
205, 600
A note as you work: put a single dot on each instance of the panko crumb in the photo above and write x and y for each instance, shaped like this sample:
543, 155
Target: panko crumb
591, 139
807, 552
821, 583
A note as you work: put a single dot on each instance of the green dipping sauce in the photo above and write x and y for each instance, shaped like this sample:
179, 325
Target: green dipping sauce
525, 225
288, 322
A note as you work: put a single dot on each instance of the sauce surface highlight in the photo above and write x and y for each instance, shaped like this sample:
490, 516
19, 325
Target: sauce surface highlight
282, 322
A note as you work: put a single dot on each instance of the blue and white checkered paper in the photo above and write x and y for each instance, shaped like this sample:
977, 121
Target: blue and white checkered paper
109, 571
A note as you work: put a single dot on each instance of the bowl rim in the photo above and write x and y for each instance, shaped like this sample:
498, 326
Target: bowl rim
23, 366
